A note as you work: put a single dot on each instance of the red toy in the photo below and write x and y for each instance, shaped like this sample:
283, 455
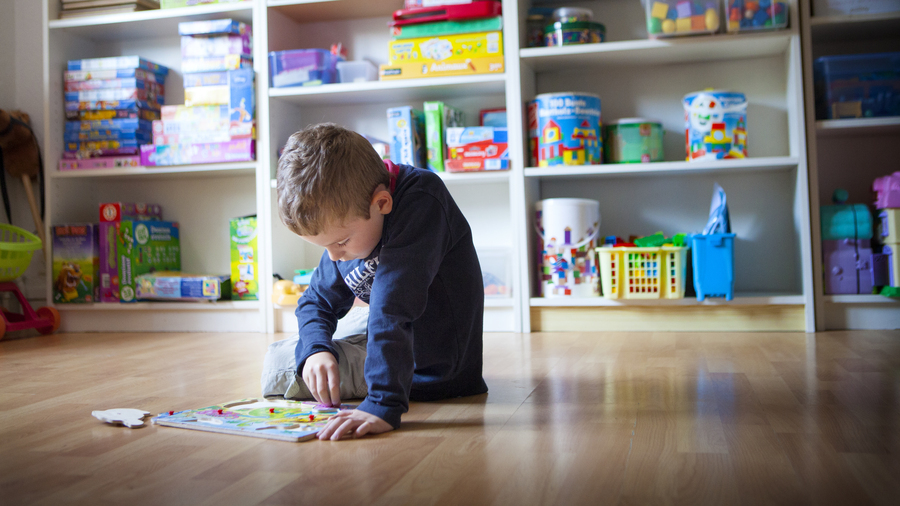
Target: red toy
473, 10
16, 248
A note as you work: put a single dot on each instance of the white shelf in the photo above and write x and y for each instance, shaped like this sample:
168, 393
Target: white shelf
313, 11
855, 27
240, 305
402, 90
861, 126
739, 300
659, 51
461, 178
860, 299
204, 170
148, 24
498, 302
776, 163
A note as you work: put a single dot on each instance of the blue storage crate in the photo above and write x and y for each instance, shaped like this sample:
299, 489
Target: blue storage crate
713, 262
857, 86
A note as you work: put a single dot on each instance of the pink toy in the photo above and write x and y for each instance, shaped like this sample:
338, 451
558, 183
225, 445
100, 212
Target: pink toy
887, 191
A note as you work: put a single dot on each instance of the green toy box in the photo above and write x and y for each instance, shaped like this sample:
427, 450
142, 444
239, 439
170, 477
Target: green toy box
76, 263
244, 252
438, 117
144, 247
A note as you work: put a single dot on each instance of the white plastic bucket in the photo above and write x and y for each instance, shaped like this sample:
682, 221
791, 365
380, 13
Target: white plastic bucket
567, 235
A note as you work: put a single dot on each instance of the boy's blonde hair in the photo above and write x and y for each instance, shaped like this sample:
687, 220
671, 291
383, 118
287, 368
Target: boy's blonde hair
327, 175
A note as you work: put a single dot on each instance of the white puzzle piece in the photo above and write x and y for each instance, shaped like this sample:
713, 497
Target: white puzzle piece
132, 418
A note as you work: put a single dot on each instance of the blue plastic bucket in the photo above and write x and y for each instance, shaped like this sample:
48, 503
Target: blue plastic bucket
713, 262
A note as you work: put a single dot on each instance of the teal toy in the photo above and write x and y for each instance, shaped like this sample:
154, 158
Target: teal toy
845, 221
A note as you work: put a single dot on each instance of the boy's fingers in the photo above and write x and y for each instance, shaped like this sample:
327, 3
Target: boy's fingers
363, 429
345, 428
311, 385
334, 385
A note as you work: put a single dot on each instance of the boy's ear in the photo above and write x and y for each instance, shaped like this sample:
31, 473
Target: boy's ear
383, 201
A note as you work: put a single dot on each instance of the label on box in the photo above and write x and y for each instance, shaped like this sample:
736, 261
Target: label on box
240, 150
111, 162
144, 247
446, 48
215, 63
105, 76
115, 63
412, 70
75, 263
244, 253
476, 164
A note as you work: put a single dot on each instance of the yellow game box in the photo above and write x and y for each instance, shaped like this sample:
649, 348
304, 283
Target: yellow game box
469, 66
446, 48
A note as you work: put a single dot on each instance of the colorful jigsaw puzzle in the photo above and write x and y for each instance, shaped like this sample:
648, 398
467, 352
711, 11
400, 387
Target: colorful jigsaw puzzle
271, 419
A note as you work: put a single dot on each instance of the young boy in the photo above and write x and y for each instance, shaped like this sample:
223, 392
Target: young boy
395, 239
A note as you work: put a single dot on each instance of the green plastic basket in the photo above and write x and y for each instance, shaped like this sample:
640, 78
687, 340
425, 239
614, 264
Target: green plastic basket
16, 247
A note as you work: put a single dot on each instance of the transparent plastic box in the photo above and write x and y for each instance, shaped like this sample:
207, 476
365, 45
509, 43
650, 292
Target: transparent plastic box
749, 15
357, 71
673, 18
302, 67
496, 271
857, 86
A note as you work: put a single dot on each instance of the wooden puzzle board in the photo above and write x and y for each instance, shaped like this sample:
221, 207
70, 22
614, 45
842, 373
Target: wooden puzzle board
271, 419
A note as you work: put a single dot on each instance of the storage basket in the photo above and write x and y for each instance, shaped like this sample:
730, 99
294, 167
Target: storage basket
16, 248
643, 273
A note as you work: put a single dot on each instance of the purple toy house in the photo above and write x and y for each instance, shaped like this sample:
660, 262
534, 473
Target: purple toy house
887, 191
848, 266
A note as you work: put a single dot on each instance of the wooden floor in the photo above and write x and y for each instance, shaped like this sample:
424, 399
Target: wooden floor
574, 418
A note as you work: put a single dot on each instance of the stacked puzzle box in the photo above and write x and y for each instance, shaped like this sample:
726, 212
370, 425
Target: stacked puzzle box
217, 121
110, 104
454, 40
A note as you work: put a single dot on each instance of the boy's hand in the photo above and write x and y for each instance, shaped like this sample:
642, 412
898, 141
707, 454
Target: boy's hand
354, 424
321, 375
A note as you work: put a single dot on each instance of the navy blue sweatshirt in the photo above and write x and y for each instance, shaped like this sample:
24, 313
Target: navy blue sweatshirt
425, 290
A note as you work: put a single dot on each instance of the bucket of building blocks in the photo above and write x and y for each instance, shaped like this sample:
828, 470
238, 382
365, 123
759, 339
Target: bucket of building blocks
671, 18
567, 235
572, 14
496, 271
857, 86
713, 262
747, 15
302, 67
578, 32
643, 273
715, 125
569, 129
633, 140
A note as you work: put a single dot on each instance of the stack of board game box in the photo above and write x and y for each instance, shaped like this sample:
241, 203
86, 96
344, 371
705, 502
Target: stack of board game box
81, 8
217, 121
110, 104
432, 38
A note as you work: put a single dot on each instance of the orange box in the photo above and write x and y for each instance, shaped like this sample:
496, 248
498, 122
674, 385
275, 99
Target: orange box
698, 23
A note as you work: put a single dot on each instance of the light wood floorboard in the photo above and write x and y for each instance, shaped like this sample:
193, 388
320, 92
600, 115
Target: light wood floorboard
571, 418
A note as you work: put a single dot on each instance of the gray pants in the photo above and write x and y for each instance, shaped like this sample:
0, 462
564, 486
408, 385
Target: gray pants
280, 376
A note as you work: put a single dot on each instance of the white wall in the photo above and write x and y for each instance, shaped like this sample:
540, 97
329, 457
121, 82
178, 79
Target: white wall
21, 87
7, 53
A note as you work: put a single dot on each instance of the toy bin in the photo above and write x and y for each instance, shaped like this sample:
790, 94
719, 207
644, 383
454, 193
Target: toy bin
672, 18
302, 67
713, 262
749, 15
857, 86
496, 271
357, 71
567, 234
643, 273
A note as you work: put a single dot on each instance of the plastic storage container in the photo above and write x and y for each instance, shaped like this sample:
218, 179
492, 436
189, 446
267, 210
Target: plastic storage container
713, 262
577, 32
302, 67
671, 18
496, 271
633, 140
642, 273
748, 15
357, 71
857, 86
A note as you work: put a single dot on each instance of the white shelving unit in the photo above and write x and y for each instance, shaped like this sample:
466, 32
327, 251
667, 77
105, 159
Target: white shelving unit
847, 153
633, 75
